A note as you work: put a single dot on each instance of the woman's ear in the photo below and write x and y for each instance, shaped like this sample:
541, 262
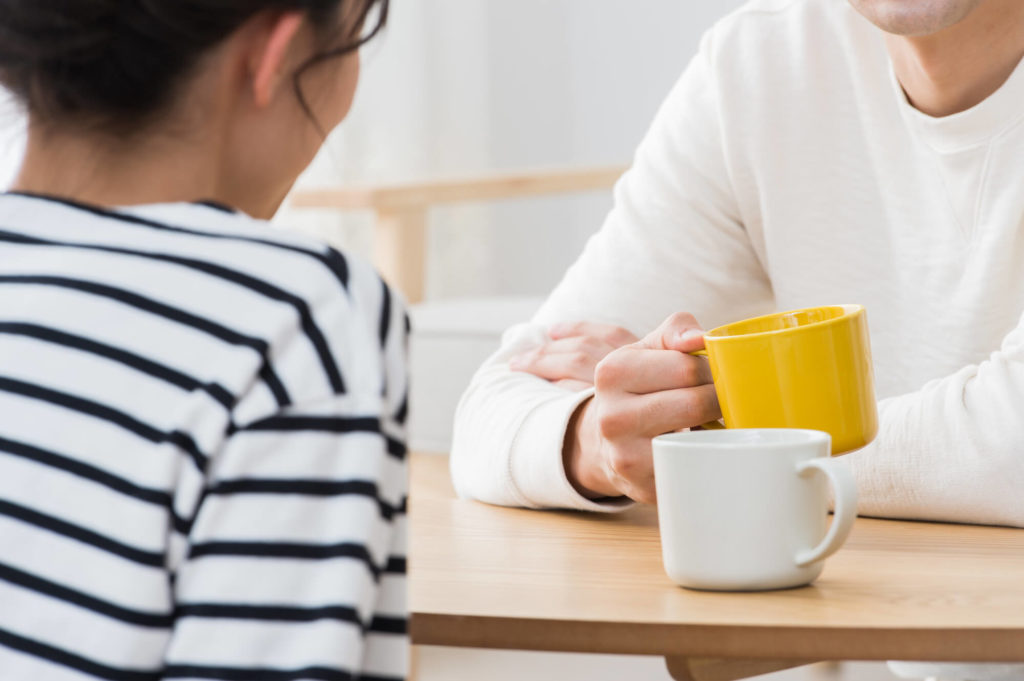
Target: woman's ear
270, 63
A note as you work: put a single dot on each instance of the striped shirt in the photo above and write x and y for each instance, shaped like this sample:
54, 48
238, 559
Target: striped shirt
202, 459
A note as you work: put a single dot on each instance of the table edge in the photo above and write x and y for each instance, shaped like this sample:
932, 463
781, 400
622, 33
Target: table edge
761, 642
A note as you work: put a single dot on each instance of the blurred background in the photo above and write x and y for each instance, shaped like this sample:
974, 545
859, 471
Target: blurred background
462, 88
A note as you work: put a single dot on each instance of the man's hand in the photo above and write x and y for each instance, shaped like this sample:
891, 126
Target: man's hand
644, 389
571, 356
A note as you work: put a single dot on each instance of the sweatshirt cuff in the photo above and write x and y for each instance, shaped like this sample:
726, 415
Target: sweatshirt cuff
537, 468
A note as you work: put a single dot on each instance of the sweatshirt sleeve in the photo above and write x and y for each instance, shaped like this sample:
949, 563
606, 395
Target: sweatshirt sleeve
674, 241
953, 450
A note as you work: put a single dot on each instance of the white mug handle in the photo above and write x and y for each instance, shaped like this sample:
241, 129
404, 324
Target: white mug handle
841, 477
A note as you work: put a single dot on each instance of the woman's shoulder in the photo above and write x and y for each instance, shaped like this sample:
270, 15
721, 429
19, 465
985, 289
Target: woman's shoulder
217, 229
341, 307
304, 306
202, 241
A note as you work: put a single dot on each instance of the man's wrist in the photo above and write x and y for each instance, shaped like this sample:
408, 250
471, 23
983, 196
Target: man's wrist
579, 448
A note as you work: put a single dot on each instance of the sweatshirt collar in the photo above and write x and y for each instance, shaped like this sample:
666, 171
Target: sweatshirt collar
1000, 111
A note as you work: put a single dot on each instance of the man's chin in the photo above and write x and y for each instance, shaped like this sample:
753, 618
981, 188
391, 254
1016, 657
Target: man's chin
914, 17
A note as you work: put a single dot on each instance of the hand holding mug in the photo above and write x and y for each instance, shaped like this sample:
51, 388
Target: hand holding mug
643, 389
808, 368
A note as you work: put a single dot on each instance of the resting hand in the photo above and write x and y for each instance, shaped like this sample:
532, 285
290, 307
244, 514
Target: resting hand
643, 390
569, 358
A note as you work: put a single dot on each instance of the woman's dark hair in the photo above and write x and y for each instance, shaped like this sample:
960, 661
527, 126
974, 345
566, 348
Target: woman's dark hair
117, 64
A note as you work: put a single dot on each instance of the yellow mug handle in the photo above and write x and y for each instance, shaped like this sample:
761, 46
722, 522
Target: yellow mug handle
710, 425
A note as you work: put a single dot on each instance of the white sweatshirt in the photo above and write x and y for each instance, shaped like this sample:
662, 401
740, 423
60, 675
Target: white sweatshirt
787, 169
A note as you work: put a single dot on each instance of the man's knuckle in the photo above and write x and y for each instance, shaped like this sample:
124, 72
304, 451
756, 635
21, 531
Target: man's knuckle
617, 335
682, 319
623, 463
614, 423
688, 373
578, 360
608, 372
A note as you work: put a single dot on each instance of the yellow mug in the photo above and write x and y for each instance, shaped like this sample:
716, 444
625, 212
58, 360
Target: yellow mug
808, 368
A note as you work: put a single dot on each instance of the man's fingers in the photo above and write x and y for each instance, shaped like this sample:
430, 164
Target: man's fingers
588, 345
633, 476
564, 359
639, 370
679, 332
657, 413
615, 336
561, 366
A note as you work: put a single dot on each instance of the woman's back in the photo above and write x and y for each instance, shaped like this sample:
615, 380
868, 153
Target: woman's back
201, 459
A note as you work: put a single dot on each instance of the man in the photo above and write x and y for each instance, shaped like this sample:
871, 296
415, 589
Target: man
805, 157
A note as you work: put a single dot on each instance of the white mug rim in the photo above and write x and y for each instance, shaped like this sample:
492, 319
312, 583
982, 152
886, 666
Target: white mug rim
758, 439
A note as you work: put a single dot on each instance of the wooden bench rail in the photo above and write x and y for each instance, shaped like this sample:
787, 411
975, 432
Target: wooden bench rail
414, 195
401, 210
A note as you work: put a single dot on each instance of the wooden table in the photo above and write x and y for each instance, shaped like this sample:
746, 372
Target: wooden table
483, 576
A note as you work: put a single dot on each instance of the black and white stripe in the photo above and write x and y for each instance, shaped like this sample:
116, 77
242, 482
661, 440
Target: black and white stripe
202, 458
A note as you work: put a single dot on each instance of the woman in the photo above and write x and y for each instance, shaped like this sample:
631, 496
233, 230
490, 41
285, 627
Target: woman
201, 418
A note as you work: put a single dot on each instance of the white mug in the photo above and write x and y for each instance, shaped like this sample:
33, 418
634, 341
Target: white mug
746, 510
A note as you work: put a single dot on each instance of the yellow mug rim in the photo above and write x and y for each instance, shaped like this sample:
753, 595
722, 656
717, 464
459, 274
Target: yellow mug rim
848, 311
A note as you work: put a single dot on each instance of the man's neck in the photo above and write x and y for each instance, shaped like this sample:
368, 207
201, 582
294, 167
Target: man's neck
960, 66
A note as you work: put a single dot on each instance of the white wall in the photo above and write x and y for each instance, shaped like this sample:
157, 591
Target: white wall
459, 87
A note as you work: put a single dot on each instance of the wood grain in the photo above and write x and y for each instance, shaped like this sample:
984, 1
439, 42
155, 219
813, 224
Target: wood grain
414, 195
512, 578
